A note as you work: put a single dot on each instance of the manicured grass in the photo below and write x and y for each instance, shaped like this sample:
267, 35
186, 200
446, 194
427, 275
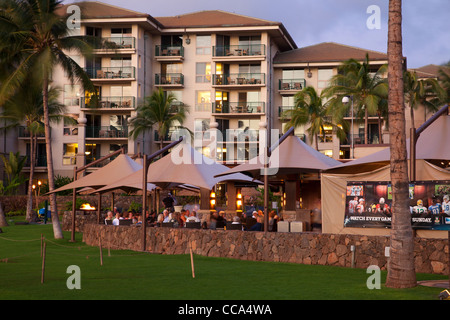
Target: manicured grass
127, 275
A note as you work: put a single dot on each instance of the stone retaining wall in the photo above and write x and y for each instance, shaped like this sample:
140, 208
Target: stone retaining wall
304, 248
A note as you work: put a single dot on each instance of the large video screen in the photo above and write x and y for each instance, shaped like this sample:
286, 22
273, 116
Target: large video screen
368, 205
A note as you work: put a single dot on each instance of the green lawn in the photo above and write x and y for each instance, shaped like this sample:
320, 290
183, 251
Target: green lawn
127, 275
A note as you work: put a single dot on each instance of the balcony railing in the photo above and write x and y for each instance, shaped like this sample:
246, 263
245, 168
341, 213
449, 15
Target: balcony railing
239, 50
169, 79
39, 162
24, 133
111, 72
111, 103
107, 132
115, 43
283, 109
292, 84
239, 79
169, 51
239, 107
358, 139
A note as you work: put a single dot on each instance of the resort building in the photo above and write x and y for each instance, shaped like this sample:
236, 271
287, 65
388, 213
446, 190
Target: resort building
235, 73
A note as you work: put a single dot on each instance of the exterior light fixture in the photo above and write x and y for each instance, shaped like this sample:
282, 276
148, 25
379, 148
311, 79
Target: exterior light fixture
239, 200
188, 40
309, 74
212, 200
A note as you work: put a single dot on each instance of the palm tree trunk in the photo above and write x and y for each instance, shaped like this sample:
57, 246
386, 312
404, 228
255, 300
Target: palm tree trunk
30, 184
401, 271
57, 232
3, 222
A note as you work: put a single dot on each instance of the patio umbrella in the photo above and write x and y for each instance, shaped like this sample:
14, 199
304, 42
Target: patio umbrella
183, 166
117, 169
431, 145
292, 156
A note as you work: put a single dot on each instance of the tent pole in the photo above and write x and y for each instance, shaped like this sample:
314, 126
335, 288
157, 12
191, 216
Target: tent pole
147, 161
144, 201
74, 208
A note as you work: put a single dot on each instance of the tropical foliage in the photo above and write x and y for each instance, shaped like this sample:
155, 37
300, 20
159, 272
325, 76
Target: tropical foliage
36, 39
367, 87
159, 110
310, 109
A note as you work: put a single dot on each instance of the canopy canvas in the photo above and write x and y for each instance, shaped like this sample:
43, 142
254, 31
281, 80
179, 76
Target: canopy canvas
431, 145
183, 166
290, 157
117, 169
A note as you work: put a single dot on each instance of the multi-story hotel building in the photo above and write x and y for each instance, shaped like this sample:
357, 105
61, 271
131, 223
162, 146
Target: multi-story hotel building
233, 72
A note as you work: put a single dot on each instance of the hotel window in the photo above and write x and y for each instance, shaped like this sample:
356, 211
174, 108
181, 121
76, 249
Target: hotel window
121, 32
203, 45
200, 127
324, 78
70, 154
251, 45
167, 68
71, 127
293, 74
72, 95
203, 101
92, 152
203, 72
121, 62
120, 91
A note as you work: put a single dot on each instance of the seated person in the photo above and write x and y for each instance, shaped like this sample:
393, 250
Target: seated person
257, 226
109, 216
192, 217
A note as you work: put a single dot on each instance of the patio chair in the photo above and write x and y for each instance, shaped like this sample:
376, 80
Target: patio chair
100, 74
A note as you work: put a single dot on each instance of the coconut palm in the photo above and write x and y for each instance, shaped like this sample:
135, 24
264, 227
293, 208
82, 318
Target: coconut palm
425, 92
401, 271
367, 88
26, 108
444, 78
35, 39
310, 109
158, 110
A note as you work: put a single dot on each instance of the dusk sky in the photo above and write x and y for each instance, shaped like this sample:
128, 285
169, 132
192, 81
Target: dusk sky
426, 36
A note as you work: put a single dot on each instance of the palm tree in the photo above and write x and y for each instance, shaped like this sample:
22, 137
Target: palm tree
34, 41
368, 90
26, 107
444, 78
158, 110
426, 92
401, 271
309, 109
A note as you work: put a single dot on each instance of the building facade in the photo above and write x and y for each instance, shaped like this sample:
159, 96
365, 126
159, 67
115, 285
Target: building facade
233, 72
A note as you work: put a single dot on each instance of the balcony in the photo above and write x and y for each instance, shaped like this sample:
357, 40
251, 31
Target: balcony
239, 53
283, 109
111, 73
239, 80
39, 162
169, 79
239, 108
115, 45
169, 53
107, 132
25, 134
291, 86
110, 103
